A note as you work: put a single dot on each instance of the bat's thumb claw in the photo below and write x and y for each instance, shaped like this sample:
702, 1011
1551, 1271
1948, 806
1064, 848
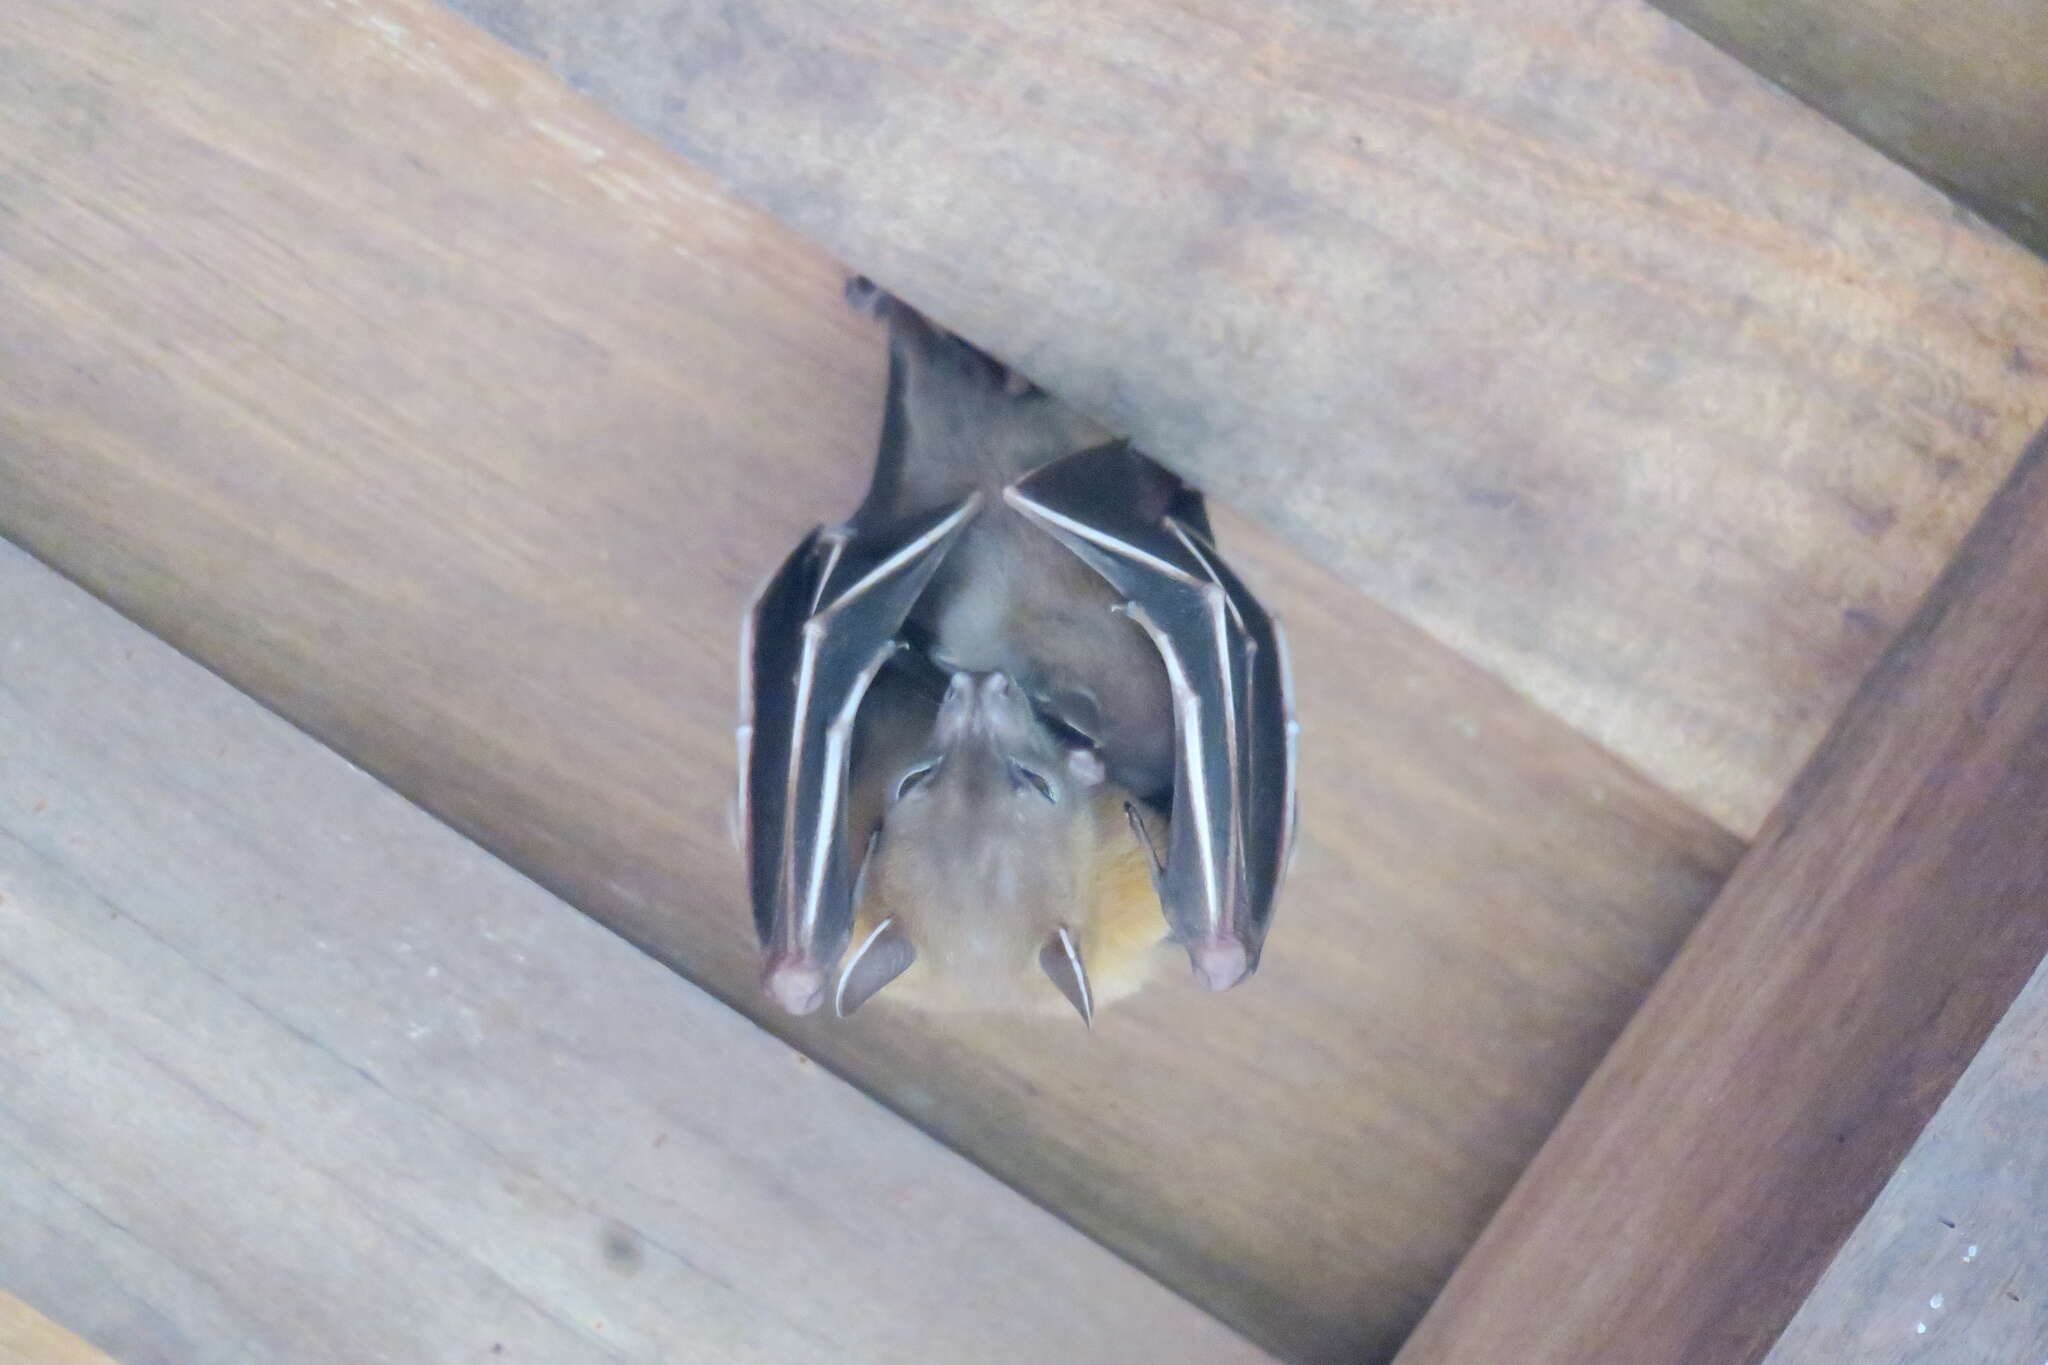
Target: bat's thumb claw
794, 983
1220, 962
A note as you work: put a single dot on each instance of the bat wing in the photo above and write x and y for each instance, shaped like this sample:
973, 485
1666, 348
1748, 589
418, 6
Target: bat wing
1234, 798
820, 629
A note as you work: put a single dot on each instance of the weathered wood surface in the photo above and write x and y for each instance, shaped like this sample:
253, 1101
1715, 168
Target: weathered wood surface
1546, 323
29, 1338
1950, 1266
294, 1072
364, 362
1883, 922
1957, 91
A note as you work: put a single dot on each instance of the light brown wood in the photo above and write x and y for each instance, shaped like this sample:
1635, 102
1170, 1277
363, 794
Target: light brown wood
294, 1072
1957, 91
1755, 1105
361, 360
1951, 1262
1546, 323
29, 1338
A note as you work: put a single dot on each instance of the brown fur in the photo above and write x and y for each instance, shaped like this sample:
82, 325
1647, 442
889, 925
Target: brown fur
1114, 912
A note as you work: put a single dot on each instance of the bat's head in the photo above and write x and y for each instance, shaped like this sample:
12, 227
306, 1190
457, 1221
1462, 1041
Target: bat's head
986, 862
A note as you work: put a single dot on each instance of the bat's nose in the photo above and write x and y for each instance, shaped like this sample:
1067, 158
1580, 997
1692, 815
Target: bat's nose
1003, 705
980, 704
956, 712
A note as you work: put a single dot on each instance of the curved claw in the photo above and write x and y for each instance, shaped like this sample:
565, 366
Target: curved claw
808, 654
1234, 791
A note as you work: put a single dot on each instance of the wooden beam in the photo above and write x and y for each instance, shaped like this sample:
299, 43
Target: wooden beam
361, 359
1545, 323
294, 1072
1883, 922
1951, 1262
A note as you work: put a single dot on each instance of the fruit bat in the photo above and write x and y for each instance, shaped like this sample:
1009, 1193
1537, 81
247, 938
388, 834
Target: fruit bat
1007, 714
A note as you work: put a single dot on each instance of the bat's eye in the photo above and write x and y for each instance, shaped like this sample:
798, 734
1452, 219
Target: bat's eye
912, 778
1022, 776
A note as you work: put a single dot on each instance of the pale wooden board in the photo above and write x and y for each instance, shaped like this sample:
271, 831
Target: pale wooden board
1950, 1266
1750, 1115
1958, 91
1545, 322
361, 360
29, 1338
294, 1072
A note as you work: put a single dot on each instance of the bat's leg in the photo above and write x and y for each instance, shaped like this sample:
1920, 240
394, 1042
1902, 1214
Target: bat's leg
913, 332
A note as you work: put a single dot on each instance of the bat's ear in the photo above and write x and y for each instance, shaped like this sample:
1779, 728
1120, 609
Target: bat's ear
1061, 959
883, 955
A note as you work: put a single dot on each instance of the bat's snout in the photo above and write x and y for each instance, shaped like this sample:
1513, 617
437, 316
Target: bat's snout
986, 703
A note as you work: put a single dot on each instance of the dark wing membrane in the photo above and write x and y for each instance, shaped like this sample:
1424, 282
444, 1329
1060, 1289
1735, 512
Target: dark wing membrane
820, 630
1233, 794
771, 640
1268, 739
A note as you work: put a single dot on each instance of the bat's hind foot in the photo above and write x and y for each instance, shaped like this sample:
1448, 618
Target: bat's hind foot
867, 298
870, 300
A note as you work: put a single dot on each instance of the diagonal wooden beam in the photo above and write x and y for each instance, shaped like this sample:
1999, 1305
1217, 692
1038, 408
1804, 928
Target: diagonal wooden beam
1951, 1262
1894, 905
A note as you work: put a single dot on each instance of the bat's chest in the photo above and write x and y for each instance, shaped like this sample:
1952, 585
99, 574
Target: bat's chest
1003, 596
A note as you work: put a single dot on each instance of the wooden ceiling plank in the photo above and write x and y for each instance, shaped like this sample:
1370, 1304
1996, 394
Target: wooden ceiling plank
1883, 922
362, 360
1547, 324
295, 1072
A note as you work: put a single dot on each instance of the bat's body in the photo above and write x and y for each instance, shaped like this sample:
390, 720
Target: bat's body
1008, 598
998, 839
970, 709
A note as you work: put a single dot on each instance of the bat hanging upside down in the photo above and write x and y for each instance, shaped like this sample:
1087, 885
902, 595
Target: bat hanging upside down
1006, 714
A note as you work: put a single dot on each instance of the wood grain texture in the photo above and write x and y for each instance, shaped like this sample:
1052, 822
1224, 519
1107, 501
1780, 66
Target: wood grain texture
294, 1072
1883, 922
1957, 91
29, 1338
1950, 1266
1545, 323
364, 362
